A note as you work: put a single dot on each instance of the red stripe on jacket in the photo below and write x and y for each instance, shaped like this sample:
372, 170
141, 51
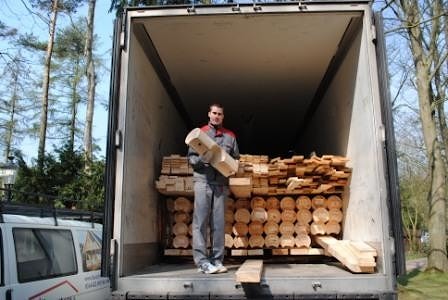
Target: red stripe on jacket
219, 131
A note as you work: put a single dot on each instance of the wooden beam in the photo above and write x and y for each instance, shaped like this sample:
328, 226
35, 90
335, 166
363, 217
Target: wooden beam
250, 271
358, 257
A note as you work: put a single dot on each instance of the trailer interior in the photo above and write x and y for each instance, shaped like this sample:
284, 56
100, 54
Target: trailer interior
291, 81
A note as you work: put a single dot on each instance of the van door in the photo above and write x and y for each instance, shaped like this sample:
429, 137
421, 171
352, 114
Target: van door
5, 291
89, 251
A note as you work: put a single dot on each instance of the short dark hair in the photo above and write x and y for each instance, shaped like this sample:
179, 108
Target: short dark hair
215, 105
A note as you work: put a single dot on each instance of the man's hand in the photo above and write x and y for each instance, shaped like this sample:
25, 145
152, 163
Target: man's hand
207, 157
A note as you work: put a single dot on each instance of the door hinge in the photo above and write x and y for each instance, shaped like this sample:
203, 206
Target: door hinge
373, 33
118, 138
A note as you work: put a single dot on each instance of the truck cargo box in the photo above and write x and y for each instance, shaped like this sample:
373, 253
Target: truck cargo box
293, 78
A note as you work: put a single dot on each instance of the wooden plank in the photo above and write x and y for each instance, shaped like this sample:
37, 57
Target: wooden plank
238, 252
326, 241
255, 252
366, 258
306, 251
240, 181
250, 271
347, 255
280, 251
363, 248
178, 252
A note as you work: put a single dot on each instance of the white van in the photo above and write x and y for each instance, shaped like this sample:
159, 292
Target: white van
48, 258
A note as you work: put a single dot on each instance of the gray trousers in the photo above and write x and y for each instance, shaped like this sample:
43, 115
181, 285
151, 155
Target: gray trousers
208, 211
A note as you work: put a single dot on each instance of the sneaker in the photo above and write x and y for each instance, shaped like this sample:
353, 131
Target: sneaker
208, 268
221, 269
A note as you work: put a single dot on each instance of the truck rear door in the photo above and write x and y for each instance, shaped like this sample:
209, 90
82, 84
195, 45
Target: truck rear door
389, 148
113, 141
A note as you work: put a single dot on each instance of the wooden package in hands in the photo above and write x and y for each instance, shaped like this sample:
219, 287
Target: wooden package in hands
204, 145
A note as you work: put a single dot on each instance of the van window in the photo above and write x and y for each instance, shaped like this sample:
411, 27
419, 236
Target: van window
43, 253
90, 245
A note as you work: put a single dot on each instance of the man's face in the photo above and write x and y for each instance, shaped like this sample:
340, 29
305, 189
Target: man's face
216, 116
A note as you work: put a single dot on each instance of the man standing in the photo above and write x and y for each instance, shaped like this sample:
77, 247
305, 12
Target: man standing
210, 191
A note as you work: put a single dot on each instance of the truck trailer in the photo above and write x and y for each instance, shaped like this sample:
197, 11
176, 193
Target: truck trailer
294, 77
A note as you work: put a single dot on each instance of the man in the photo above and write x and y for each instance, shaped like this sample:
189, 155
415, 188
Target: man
210, 191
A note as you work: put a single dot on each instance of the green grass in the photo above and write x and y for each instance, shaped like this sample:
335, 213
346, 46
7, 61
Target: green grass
419, 284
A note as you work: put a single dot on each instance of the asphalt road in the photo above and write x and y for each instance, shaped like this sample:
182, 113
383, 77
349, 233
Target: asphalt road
419, 263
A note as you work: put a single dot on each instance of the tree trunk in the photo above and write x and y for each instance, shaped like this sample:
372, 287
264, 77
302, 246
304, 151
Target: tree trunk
46, 85
12, 115
90, 85
442, 94
74, 105
439, 81
437, 217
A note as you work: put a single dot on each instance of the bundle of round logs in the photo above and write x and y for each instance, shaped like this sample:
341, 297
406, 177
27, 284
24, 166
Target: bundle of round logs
304, 216
318, 201
240, 229
183, 204
303, 202
256, 241
287, 203
257, 202
242, 215
240, 242
272, 203
274, 215
270, 227
256, 228
259, 214
286, 228
287, 241
272, 241
242, 203
302, 240
181, 241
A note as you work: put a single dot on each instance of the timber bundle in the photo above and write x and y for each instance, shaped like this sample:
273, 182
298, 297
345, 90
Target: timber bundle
290, 206
176, 176
294, 176
274, 203
285, 222
257, 175
259, 222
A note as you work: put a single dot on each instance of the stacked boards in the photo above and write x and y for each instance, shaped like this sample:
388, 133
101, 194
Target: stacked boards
257, 175
277, 206
176, 177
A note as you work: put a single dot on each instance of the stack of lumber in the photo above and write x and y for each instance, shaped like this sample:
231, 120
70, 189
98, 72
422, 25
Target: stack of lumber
280, 222
176, 178
175, 185
292, 176
176, 165
180, 216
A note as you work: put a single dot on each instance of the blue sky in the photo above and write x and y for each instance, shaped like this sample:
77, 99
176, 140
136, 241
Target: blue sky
14, 14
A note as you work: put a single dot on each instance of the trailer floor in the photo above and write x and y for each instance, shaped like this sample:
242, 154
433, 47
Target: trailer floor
270, 270
282, 279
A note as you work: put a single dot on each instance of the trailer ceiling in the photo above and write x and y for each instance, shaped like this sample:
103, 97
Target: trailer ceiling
264, 68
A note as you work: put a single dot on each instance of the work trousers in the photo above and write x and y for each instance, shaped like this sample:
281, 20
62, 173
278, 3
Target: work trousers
208, 213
